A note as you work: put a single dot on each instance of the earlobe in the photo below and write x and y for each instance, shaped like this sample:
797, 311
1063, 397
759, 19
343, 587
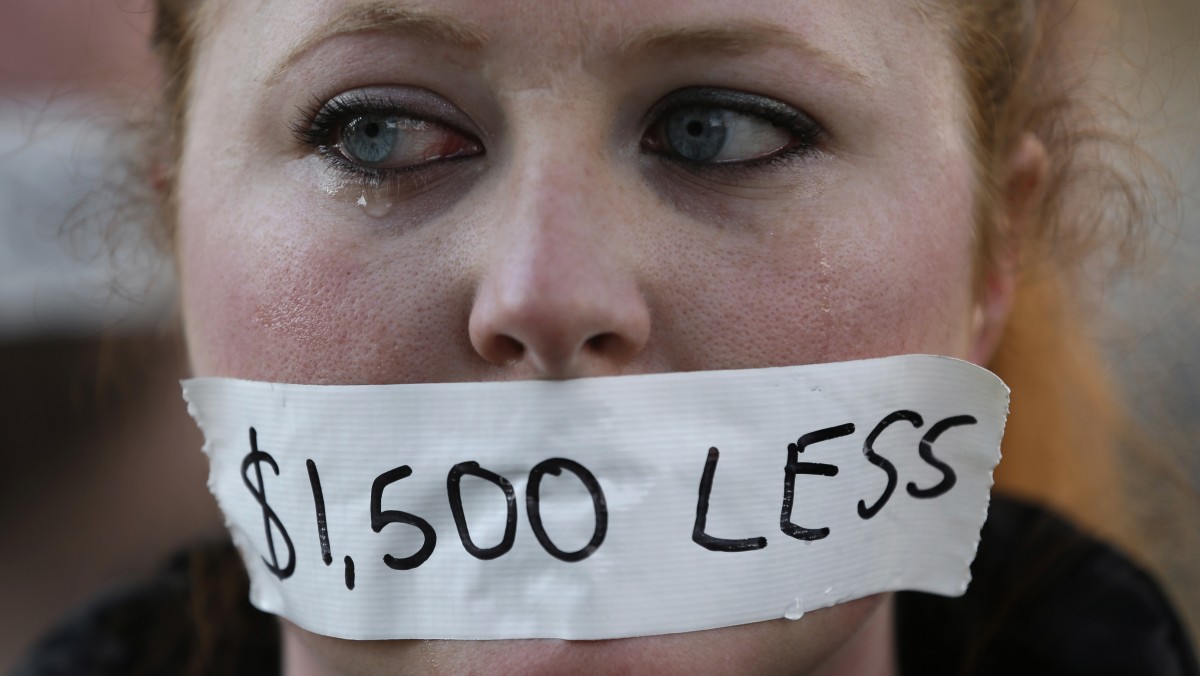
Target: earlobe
1024, 181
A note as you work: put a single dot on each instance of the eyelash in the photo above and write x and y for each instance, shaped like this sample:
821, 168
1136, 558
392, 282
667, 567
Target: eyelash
319, 123
808, 135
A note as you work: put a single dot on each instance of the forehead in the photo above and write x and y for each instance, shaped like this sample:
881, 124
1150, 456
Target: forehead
866, 40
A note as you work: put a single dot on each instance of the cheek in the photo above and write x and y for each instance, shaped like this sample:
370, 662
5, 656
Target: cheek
271, 295
854, 280
275, 293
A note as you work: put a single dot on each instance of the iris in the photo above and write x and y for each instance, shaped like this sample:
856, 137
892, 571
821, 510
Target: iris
698, 134
371, 139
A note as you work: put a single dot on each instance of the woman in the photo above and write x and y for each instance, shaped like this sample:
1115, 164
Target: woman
383, 192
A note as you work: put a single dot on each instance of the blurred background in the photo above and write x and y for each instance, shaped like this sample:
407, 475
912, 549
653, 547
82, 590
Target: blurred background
1152, 329
100, 470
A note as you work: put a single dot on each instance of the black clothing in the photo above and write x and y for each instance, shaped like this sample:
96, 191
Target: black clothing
193, 617
1045, 599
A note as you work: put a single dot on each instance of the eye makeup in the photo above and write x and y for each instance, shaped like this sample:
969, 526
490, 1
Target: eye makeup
699, 127
395, 142
390, 142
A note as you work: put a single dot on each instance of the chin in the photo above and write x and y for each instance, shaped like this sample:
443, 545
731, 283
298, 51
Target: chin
814, 644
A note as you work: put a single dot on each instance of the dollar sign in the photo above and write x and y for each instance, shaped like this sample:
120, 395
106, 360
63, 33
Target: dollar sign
255, 457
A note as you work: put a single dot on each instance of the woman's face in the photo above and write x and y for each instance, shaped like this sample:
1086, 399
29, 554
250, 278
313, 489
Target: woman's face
453, 190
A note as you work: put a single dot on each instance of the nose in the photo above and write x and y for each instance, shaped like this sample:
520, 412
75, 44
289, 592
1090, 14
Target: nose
557, 298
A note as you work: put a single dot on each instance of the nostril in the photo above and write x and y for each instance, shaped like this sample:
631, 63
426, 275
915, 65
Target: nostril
541, 322
599, 342
605, 344
505, 350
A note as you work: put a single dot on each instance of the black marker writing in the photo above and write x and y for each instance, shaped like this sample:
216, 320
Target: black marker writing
794, 467
949, 478
532, 504
255, 457
381, 518
314, 480
705, 540
276, 533
454, 493
882, 462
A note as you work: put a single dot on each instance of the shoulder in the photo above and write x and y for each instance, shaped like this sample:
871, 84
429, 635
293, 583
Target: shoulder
1044, 598
190, 617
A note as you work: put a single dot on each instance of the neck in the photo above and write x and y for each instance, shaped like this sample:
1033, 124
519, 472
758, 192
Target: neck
869, 651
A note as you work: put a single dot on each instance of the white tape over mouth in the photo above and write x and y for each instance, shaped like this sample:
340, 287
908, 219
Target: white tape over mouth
602, 508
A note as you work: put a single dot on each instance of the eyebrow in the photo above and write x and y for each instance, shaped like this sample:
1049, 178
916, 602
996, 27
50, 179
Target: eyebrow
387, 17
734, 38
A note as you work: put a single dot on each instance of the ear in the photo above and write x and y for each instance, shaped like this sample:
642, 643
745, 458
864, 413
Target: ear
1024, 180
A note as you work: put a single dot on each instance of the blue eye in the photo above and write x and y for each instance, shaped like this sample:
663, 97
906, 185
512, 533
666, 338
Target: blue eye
368, 131
370, 139
720, 126
698, 134
389, 141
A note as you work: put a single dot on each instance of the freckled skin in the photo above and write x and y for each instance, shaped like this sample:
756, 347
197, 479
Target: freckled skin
566, 250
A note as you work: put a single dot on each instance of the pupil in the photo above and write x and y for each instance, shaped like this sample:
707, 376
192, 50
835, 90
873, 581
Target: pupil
698, 134
370, 140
